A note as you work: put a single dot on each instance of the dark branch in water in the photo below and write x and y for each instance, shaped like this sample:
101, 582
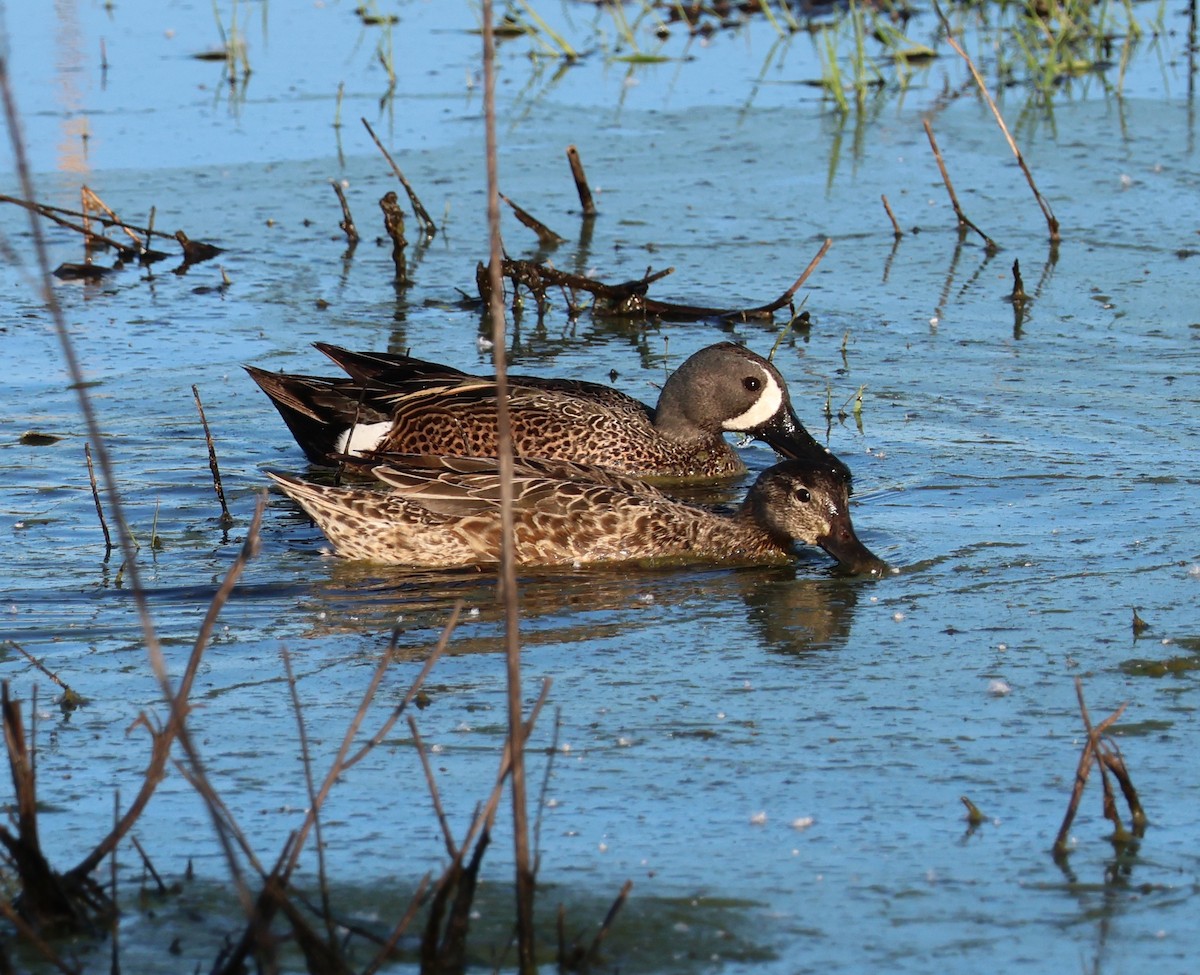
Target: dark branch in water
393, 222
546, 237
629, 299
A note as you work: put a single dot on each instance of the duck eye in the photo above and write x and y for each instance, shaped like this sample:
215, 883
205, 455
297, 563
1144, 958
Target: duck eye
752, 384
802, 495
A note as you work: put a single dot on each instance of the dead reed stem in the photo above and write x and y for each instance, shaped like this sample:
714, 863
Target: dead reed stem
581, 183
108, 545
226, 517
431, 783
896, 231
508, 574
1084, 766
418, 210
1051, 220
306, 760
162, 888
347, 221
963, 221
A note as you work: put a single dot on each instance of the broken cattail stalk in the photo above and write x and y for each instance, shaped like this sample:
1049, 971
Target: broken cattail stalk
581, 183
226, 518
1018, 296
418, 209
347, 221
963, 222
393, 222
546, 237
108, 545
896, 231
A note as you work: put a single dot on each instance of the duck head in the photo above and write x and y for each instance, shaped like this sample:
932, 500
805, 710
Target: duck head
798, 502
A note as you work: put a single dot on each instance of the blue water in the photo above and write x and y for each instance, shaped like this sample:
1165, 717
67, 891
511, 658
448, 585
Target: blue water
787, 742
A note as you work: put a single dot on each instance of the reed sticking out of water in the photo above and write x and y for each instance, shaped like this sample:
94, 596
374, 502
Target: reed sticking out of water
963, 221
226, 517
1103, 752
418, 209
347, 221
896, 231
581, 183
1051, 220
525, 883
108, 545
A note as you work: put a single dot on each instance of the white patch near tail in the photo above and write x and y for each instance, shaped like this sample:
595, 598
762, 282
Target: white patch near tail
361, 438
765, 407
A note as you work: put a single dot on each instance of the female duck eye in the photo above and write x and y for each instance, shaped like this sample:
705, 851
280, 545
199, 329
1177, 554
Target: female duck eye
802, 495
752, 384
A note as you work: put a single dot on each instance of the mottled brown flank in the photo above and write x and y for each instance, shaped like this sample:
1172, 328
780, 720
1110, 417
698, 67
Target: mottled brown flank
462, 421
443, 516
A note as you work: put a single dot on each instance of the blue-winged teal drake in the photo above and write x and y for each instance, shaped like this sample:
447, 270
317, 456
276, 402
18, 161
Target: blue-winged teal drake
402, 405
445, 511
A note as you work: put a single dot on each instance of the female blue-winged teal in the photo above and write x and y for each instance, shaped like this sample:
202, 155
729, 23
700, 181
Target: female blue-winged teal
445, 511
403, 405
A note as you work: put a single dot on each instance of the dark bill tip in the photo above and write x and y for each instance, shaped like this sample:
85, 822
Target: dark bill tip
852, 555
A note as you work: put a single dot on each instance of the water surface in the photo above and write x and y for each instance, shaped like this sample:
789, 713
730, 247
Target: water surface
773, 754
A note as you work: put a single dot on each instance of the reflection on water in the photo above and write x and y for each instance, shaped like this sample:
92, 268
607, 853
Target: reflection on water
789, 611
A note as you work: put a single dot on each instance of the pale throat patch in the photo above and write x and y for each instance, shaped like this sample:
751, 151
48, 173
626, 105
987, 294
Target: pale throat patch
362, 437
765, 407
